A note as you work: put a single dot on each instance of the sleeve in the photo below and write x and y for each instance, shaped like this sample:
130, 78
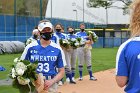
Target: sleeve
25, 54
57, 39
61, 60
121, 63
77, 35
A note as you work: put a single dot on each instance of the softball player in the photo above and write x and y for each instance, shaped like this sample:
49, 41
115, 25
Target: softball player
84, 55
128, 56
68, 66
72, 52
34, 37
48, 55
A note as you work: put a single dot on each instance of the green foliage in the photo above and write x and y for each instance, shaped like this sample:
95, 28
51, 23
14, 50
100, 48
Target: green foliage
108, 4
100, 3
22, 88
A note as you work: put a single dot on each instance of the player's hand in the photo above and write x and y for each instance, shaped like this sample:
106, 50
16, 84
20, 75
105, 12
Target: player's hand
38, 81
48, 84
88, 42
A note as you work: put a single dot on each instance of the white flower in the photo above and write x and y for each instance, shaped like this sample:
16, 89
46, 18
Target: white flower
76, 44
20, 72
73, 39
65, 41
13, 70
16, 60
21, 65
82, 41
13, 73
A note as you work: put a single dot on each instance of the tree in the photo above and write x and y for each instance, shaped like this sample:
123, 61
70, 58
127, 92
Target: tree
109, 3
31, 7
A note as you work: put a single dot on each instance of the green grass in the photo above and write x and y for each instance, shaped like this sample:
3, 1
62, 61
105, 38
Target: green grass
6, 61
102, 59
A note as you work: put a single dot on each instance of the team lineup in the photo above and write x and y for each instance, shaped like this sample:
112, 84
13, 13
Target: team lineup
55, 59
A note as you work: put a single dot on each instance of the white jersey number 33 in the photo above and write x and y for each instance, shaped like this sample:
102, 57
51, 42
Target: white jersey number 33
43, 67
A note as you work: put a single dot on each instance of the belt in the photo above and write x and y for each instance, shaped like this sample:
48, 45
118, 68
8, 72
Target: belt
49, 77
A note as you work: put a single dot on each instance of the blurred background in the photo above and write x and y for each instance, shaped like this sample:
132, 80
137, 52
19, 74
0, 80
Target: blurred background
109, 19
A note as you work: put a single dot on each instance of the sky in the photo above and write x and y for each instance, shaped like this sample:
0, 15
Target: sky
64, 9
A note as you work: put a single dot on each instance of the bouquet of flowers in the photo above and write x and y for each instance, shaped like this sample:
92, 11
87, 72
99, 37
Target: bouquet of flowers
81, 41
93, 38
23, 74
92, 35
30, 40
64, 43
74, 43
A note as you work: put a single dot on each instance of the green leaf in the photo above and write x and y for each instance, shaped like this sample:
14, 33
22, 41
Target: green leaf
26, 62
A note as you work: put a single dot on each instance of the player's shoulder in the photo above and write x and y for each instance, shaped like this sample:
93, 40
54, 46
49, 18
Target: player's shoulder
54, 45
35, 43
63, 34
129, 41
125, 44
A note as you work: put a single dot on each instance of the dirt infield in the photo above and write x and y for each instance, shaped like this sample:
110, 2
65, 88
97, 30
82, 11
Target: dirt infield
105, 84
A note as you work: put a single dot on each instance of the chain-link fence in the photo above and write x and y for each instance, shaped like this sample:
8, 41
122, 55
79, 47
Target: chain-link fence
19, 17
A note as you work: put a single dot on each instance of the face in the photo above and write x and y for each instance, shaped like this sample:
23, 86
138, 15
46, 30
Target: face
58, 27
46, 33
82, 26
70, 29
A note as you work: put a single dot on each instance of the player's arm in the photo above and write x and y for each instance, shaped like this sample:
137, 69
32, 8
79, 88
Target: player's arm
60, 65
121, 68
121, 80
60, 75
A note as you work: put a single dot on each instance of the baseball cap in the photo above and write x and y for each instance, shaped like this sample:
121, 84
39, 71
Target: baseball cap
43, 25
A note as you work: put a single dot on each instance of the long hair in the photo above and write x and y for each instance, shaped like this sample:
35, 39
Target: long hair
135, 18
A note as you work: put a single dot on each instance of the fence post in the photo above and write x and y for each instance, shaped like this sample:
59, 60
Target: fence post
103, 37
40, 9
15, 14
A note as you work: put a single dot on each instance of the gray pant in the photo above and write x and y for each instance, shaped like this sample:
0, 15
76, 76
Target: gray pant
70, 55
84, 56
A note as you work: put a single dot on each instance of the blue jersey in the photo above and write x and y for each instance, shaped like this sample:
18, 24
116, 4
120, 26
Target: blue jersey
54, 38
71, 36
61, 35
82, 35
128, 64
48, 58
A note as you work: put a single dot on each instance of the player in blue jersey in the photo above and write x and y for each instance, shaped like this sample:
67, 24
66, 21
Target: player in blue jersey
49, 57
60, 35
34, 37
84, 55
72, 52
128, 56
